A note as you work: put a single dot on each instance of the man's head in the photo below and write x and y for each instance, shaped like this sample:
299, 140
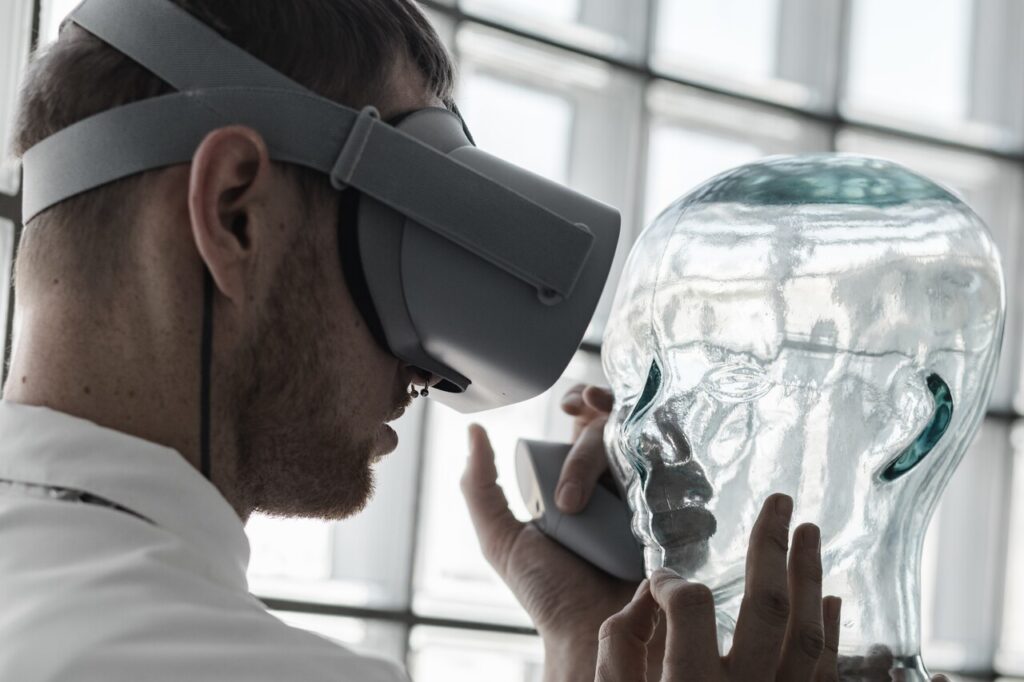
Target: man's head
301, 389
826, 327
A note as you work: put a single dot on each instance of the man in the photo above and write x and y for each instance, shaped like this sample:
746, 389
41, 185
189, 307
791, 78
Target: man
121, 561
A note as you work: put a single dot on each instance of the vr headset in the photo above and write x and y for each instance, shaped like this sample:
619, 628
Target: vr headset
465, 266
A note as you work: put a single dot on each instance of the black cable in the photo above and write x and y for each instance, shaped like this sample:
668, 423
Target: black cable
205, 360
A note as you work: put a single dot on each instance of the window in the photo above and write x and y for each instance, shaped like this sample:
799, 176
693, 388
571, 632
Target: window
53, 13
1010, 652
944, 67
609, 27
15, 34
6, 256
778, 50
365, 636
635, 102
445, 655
694, 136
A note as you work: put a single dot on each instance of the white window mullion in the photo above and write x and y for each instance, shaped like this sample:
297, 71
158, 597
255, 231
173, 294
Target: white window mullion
15, 42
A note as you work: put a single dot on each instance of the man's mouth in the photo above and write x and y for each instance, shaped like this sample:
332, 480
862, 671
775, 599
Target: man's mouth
400, 410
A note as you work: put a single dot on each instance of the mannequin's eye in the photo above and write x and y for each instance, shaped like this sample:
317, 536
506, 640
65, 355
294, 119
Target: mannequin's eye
651, 388
931, 434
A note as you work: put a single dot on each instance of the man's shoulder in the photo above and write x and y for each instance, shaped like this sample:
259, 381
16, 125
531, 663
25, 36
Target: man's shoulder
91, 594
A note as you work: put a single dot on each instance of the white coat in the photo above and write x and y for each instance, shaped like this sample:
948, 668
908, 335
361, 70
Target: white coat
153, 590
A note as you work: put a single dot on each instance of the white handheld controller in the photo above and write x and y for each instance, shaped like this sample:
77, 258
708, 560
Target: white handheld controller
600, 533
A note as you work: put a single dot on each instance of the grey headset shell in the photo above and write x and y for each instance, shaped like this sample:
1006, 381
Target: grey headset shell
447, 311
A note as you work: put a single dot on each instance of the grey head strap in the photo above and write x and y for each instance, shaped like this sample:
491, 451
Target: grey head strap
221, 84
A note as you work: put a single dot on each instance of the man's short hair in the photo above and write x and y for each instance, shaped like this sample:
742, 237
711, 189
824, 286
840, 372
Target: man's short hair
345, 50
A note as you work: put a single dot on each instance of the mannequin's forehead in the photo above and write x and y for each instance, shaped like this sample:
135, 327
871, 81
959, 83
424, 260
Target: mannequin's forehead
738, 242
897, 307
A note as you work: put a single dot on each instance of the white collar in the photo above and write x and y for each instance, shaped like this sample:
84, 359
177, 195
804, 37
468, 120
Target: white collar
45, 447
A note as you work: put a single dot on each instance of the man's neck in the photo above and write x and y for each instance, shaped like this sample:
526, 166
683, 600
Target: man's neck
136, 383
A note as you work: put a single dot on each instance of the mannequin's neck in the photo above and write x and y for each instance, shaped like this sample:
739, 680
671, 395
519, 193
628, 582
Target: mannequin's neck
878, 581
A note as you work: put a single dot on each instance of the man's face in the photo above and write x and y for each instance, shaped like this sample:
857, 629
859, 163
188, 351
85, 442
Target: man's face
313, 388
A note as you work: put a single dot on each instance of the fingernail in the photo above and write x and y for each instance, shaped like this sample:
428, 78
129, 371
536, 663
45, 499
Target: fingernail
813, 538
784, 507
570, 495
832, 608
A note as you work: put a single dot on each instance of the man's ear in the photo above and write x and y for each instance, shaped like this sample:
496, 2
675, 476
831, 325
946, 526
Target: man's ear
229, 185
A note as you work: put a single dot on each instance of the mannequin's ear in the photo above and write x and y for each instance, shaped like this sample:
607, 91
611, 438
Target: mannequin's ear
929, 436
229, 187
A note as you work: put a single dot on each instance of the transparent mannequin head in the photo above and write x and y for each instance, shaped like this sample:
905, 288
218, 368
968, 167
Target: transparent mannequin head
825, 326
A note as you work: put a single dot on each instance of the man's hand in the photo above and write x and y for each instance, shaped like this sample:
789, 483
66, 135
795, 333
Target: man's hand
566, 597
588, 459
785, 631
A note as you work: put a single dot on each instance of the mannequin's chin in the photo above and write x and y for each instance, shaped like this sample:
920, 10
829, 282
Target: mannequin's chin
686, 559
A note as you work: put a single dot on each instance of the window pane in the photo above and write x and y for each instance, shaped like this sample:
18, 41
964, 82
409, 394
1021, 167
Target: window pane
361, 561
15, 35
737, 38
992, 188
452, 578
911, 56
447, 655
609, 27
780, 50
948, 68
526, 126
443, 24
694, 136
681, 158
1010, 656
6, 257
962, 562
373, 637
53, 13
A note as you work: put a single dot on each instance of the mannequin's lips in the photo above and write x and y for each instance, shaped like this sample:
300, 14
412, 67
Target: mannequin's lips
683, 526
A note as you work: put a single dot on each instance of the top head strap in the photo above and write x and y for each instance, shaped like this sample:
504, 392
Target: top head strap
221, 84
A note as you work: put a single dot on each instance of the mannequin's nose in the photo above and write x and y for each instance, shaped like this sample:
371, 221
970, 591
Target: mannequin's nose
669, 424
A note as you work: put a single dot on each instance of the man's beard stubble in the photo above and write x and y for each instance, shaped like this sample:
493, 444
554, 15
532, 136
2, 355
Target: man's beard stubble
295, 455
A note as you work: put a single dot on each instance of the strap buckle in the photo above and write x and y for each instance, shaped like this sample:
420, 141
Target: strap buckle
352, 151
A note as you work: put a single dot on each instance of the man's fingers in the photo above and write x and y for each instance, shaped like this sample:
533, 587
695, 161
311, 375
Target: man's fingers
572, 401
599, 398
691, 644
805, 636
585, 402
496, 527
584, 465
827, 669
622, 640
764, 613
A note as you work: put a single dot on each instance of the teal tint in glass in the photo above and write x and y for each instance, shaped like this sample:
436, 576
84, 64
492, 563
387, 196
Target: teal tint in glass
810, 317
651, 387
931, 435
